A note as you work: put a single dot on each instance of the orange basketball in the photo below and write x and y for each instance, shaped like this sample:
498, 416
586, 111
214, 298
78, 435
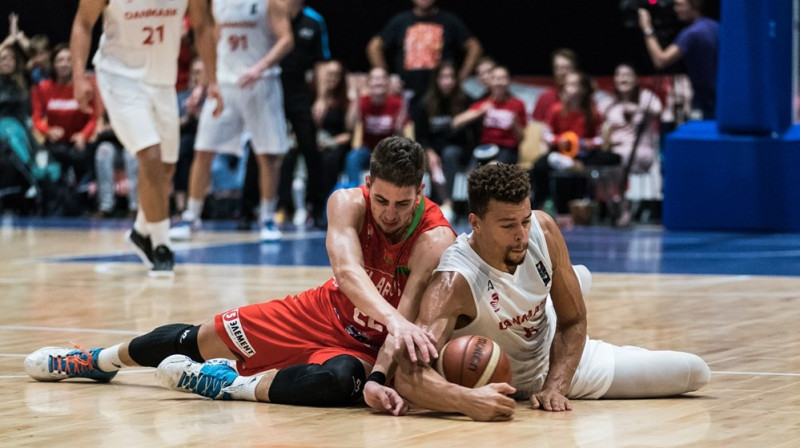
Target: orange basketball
473, 361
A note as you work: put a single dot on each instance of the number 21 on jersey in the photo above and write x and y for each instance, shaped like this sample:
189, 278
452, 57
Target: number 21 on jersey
153, 35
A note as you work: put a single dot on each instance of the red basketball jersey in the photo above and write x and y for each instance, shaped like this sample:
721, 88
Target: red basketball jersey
387, 266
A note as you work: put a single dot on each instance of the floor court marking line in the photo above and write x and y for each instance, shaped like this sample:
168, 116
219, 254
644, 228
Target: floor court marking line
754, 373
68, 329
121, 372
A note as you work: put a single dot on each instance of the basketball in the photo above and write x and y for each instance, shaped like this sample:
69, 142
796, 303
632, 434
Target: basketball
473, 361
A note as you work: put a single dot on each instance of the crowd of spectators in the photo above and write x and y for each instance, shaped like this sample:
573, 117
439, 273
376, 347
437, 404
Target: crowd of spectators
60, 159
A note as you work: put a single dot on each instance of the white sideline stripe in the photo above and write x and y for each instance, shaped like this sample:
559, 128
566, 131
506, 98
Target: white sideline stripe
121, 372
68, 329
755, 373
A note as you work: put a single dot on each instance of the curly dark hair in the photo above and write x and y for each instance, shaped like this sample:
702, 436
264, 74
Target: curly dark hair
399, 161
499, 181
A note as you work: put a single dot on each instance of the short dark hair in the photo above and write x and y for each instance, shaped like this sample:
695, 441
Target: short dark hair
499, 181
399, 161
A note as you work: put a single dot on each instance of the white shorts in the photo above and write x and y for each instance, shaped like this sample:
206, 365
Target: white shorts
142, 115
258, 110
595, 371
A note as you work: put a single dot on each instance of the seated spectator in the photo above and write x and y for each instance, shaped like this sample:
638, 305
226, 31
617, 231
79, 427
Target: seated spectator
501, 115
117, 172
65, 128
14, 90
40, 59
483, 71
381, 115
631, 127
573, 117
564, 62
333, 116
16, 144
445, 146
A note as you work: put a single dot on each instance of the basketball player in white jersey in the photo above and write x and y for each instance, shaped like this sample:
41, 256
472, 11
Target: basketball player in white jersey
254, 36
511, 280
136, 65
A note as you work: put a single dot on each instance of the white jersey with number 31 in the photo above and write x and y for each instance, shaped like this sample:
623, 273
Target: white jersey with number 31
141, 39
245, 37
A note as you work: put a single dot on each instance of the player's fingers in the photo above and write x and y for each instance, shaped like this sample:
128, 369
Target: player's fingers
412, 352
535, 402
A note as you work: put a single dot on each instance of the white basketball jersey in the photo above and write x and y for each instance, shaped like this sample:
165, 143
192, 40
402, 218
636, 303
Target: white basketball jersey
245, 37
514, 310
141, 39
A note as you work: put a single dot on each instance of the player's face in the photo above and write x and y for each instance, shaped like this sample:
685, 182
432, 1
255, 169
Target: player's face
503, 231
446, 80
393, 207
63, 64
624, 79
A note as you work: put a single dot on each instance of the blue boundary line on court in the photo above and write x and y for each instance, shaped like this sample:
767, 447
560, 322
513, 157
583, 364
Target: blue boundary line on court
602, 249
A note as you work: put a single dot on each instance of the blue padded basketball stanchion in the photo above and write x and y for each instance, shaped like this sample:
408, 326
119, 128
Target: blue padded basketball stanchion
742, 171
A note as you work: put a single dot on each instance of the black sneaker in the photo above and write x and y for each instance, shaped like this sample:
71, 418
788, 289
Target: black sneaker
142, 245
163, 262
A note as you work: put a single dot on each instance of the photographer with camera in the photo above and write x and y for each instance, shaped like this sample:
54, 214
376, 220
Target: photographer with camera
697, 45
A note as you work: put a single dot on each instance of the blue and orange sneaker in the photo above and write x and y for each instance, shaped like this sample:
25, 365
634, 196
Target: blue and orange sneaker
210, 379
61, 363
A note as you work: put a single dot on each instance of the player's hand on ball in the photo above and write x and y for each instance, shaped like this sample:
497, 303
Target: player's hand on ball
384, 399
550, 400
414, 338
491, 403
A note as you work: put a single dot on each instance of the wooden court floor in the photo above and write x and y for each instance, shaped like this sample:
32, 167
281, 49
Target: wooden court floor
746, 327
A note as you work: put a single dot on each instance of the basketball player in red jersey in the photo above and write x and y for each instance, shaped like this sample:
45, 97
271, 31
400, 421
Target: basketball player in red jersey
384, 240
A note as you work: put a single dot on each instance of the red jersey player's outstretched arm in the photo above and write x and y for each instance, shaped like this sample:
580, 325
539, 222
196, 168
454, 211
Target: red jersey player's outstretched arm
424, 258
346, 212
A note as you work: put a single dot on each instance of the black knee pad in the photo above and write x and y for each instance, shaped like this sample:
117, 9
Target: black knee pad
336, 382
150, 349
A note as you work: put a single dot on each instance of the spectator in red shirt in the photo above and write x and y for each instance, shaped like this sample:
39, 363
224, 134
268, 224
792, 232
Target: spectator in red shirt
564, 61
574, 113
381, 115
502, 117
56, 115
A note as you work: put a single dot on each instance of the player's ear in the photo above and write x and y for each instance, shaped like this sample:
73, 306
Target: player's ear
474, 221
368, 182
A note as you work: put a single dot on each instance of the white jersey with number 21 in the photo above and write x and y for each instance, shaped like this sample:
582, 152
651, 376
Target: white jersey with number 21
141, 40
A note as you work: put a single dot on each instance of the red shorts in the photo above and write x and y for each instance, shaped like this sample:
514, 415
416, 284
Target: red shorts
300, 329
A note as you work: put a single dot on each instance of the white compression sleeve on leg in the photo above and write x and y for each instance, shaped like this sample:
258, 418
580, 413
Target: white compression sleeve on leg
641, 373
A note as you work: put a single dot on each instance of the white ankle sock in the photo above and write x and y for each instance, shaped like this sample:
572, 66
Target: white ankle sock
194, 209
267, 209
159, 233
140, 225
108, 359
244, 387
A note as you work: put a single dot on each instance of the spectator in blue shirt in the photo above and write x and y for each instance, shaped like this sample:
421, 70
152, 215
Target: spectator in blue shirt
697, 45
